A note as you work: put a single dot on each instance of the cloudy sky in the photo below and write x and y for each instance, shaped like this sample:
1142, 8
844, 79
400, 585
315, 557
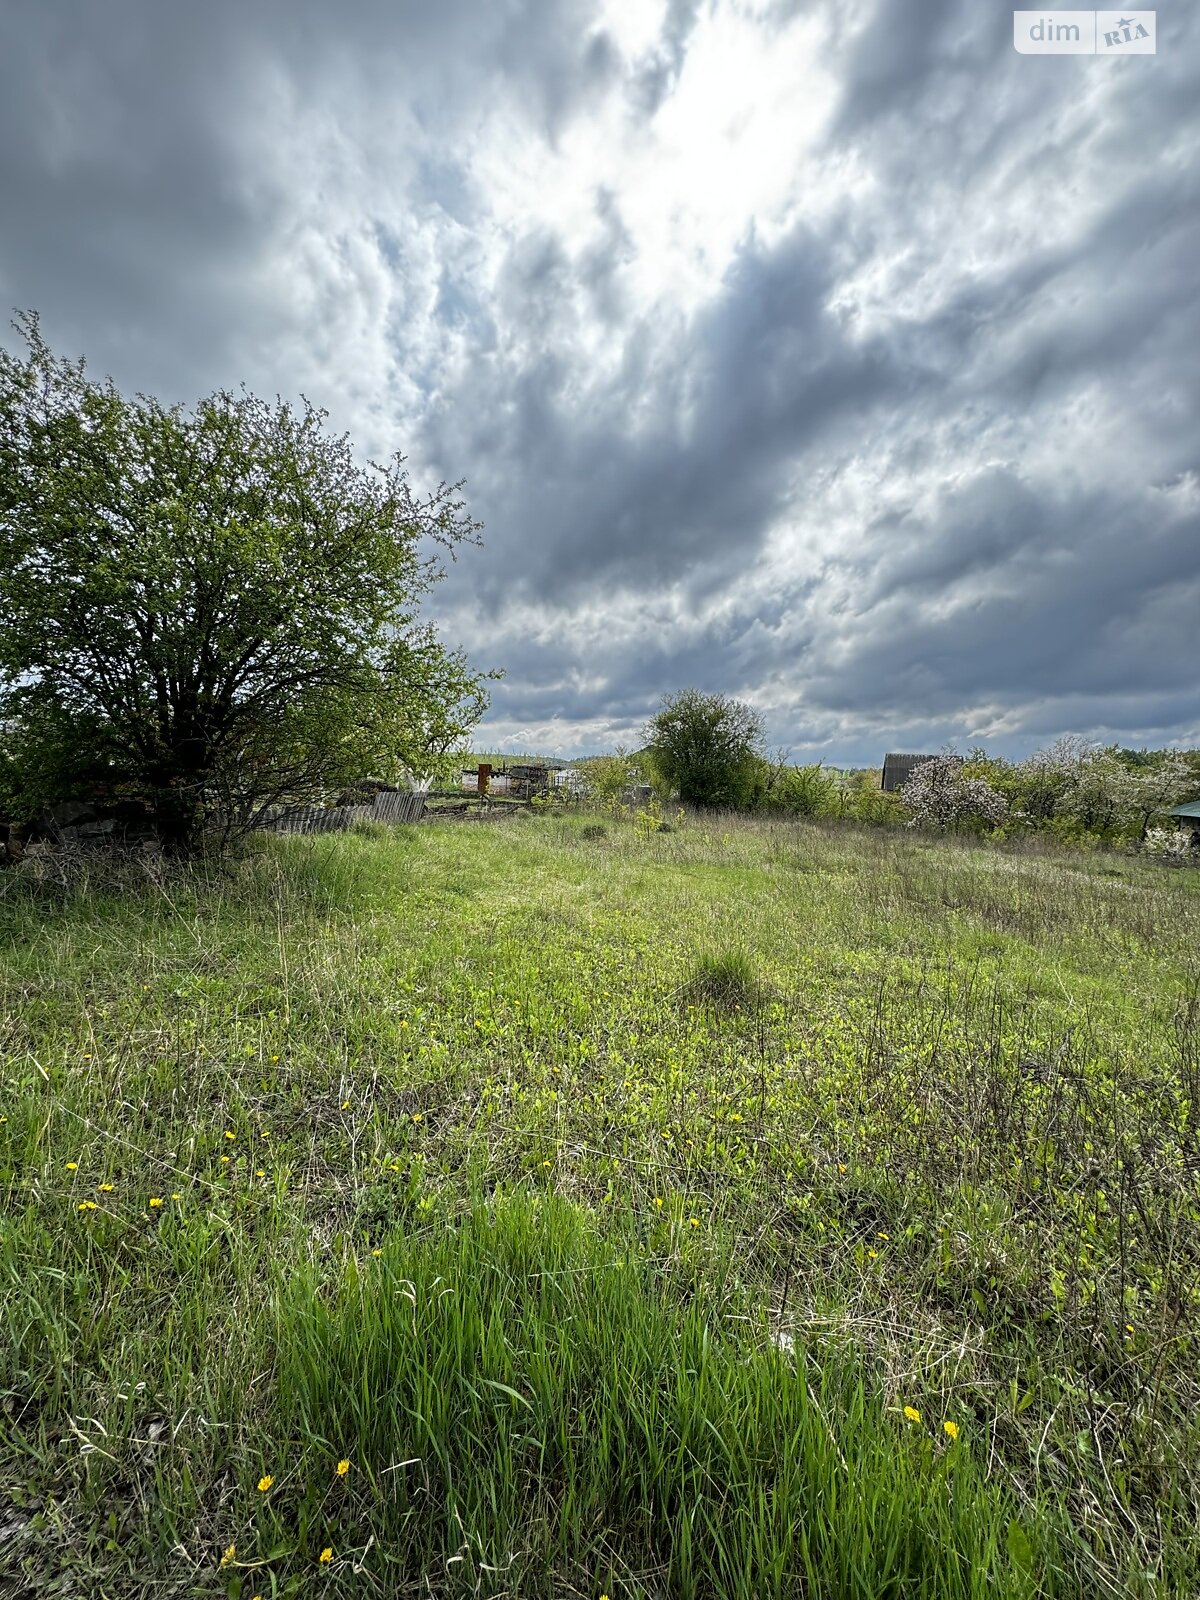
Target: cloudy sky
831, 355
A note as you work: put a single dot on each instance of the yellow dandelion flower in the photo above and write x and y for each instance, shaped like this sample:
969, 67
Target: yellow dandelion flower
376, 1252
416, 1116
230, 1135
883, 1236
227, 1558
912, 1413
545, 1163
227, 1159
260, 1173
155, 1201
345, 1105
841, 1166
265, 1482
105, 1188
872, 1255
176, 1197
343, 1467
1129, 1327
72, 1166
695, 1221
274, 1058
86, 1205
658, 1201
326, 1555
265, 1134
950, 1429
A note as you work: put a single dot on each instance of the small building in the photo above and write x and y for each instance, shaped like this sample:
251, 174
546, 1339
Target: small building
898, 769
1187, 815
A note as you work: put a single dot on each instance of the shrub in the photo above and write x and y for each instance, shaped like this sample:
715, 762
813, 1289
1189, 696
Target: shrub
939, 795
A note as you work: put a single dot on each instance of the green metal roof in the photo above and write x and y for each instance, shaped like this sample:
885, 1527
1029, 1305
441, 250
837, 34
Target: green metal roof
1190, 808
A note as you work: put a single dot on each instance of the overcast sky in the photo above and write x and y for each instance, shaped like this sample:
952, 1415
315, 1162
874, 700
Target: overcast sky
834, 356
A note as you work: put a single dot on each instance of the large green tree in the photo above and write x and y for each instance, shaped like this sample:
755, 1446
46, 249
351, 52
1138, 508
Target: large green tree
708, 747
214, 609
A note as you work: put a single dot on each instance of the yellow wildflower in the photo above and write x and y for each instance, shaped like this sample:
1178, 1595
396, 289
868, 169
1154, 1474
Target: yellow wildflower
72, 1166
950, 1428
265, 1482
227, 1558
376, 1252
416, 1116
695, 1221
86, 1205
912, 1413
343, 1467
155, 1200
105, 1188
230, 1135
658, 1201
176, 1197
326, 1555
345, 1105
260, 1173
226, 1158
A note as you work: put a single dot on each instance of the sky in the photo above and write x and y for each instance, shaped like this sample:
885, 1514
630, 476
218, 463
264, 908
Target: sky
832, 356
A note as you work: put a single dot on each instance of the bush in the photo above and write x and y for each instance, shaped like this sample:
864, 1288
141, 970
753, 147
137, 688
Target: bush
938, 794
593, 830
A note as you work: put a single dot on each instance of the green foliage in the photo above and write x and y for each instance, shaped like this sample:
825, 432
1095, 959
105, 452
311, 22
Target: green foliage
707, 747
802, 792
608, 777
214, 610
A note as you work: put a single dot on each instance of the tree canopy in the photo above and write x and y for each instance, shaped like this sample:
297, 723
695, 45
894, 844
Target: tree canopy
212, 609
707, 746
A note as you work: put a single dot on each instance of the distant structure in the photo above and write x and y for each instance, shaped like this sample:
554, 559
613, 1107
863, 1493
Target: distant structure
897, 770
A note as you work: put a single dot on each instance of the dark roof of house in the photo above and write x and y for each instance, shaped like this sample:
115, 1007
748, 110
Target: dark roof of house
898, 769
1190, 808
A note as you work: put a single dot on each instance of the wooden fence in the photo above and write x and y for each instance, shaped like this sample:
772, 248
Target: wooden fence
393, 807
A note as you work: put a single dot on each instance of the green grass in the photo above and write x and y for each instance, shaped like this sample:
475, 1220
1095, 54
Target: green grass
604, 1201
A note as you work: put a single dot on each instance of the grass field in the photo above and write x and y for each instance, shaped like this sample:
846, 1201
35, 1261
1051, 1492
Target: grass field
500, 1210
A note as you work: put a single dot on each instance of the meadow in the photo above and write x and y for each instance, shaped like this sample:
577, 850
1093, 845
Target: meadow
553, 1207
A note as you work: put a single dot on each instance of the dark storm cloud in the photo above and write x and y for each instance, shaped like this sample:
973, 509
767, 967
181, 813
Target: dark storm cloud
921, 460
136, 186
723, 409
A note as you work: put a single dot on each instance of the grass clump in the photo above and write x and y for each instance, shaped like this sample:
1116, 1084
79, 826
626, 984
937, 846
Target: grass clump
725, 981
536, 1406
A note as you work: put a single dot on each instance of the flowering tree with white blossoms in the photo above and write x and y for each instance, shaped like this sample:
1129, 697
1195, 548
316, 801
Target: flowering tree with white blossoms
938, 795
